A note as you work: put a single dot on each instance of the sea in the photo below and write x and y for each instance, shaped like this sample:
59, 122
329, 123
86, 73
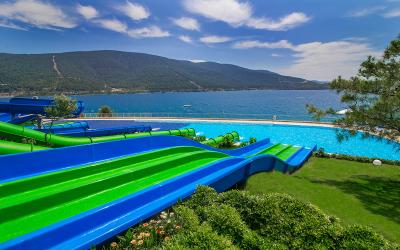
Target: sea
250, 104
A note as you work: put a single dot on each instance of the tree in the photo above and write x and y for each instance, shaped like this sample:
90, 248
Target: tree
105, 111
63, 107
372, 97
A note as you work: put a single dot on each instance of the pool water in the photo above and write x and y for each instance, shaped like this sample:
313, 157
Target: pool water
307, 136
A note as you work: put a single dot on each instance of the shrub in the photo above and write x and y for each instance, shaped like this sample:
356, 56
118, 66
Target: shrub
203, 197
105, 111
203, 237
359, 237
252, 140
188, 217
225, 220
150, 234
199, 138
320, 153
283, 220
241, 220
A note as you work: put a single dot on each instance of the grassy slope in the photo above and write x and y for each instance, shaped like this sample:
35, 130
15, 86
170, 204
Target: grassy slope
357, 193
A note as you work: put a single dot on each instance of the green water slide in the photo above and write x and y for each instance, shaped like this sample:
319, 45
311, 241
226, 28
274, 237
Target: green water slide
233, 136
8, 147
32, 203
7, 129
282, 151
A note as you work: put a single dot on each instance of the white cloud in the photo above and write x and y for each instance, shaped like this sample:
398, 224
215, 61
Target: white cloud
88, 12
326, 61
392, 13
366, 11
284, 23
187, 23
248, 44
197, 61
276, 55
36, 13
215, 39
135, 11
10, 25
229, 11
238, 13
112, 24
151, 31
186, 39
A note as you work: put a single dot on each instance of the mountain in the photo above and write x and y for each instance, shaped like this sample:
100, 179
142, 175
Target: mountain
116, 71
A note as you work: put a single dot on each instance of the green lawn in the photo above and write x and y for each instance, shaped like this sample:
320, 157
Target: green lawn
357, 193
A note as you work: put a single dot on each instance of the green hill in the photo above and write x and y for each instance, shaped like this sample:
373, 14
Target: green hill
102, 71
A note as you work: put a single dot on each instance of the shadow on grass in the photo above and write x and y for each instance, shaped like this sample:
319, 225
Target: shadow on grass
380, 195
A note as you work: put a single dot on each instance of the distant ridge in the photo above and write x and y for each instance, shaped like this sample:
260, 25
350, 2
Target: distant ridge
116, 71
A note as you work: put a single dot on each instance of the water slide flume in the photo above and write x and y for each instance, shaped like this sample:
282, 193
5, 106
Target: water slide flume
52, 200
7, 129
7, 147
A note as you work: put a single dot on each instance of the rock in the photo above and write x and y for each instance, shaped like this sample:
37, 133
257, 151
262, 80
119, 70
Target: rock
377, 162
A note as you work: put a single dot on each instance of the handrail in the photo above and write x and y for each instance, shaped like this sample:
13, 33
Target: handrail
204, 115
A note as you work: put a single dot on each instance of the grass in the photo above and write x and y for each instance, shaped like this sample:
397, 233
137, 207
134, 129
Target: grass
356, 193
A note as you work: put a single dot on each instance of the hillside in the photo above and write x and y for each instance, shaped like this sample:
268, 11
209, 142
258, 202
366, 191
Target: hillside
110, 71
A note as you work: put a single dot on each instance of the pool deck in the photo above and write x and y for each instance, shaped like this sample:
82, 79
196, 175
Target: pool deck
211, 120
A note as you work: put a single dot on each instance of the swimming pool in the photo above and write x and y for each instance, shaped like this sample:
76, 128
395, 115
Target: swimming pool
324, 137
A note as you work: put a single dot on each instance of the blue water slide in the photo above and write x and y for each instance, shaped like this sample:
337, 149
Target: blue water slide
16, 119
105, 131
19, 105
101, 223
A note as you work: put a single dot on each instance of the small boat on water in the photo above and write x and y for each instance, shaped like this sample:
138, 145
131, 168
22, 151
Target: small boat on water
187, 106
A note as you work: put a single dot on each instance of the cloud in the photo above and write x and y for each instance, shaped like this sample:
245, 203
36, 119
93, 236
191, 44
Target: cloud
248, 44
237, 13
392, 13
10, 25
186, 39
135, 11
276, 55
112, 24
121, 27
326, 61
36, 13
88, 12
187, 23
197, 61
229, 11
366, 11
215, 39
146, 32
284, 23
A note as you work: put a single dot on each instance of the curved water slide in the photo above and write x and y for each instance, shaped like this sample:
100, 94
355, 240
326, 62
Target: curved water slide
18, 105
19, 110
52, 200
7, 129
8, 147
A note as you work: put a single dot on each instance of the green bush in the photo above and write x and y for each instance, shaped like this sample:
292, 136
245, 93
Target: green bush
199, 138
320, 153
359, 237
203, 237
188, 216
203, 197
225, 220
241, 220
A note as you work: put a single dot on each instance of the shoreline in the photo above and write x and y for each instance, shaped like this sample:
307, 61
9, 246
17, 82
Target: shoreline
211, 120
7, 95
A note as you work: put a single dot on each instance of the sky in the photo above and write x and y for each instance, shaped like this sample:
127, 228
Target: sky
312, 39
